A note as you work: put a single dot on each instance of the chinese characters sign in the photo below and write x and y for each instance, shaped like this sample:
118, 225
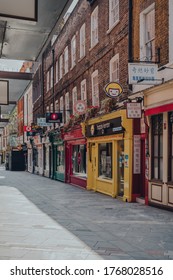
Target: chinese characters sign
142, 73
137, 155
134, 110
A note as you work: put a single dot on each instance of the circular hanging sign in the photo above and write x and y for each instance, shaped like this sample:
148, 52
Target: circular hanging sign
113, 89
80, 107
28, 128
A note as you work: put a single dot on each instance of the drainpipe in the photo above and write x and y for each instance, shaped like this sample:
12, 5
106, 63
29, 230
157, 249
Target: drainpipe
130, 26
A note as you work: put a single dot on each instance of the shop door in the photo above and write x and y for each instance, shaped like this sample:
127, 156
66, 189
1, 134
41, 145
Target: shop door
94, 171
120, 169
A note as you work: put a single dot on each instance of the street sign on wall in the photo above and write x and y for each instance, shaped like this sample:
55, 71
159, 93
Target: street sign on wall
143, 73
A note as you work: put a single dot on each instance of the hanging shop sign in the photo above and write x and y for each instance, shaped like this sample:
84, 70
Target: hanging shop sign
109, 127
134, 110
54, 117
27, 128
113, 89
80, 107
42, 122
143, 73
137, 154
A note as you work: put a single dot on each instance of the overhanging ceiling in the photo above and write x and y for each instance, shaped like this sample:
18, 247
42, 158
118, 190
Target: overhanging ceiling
25, 40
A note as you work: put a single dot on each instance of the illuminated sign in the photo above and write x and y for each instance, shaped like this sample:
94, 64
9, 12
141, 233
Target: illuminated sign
113, 89
54, 117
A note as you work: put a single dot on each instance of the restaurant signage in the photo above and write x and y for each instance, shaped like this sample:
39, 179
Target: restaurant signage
109, 127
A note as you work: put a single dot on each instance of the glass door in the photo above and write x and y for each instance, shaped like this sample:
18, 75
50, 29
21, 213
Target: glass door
120, 169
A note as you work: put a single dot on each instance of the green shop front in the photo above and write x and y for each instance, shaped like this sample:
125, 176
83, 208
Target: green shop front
57, 158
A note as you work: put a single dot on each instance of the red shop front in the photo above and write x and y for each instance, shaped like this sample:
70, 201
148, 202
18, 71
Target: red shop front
75, 157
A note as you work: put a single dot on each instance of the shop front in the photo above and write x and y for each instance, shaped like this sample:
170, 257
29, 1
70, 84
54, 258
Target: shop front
75, 157
59, 162
159, 113
109, 155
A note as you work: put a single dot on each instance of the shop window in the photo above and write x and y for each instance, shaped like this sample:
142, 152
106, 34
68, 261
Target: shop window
157, 147
105, 160
147, 34
94, 27
79, 160
170, 147
60, 159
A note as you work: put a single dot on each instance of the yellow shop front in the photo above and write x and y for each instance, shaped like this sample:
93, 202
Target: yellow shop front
109, 151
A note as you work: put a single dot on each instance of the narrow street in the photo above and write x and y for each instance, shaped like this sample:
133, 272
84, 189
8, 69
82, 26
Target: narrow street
45, 219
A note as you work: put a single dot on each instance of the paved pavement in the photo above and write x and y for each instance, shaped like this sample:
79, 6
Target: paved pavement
45, 219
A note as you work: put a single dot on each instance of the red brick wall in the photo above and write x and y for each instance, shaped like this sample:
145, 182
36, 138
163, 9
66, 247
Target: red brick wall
109, 44
161, 27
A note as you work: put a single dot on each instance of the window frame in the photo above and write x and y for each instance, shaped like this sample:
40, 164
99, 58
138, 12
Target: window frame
94, 27
66, 60
95, 74
113, 59
73, 51
83, 94
82, 40
74, 91
159, 156
111, 22
143, 47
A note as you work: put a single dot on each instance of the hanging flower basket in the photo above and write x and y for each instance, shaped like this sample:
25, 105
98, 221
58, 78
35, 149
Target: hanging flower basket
74, 120
108, 105
91, 112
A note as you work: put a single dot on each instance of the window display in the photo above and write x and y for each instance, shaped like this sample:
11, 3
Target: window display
105, 160
79, 160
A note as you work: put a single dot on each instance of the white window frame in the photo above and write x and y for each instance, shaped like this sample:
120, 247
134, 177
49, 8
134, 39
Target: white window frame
67, 106
62, 107
73, 51
94, 27
143, 49
83, 91
95, 88
82, 40
57, 72
66, 60
51, 77
113, 9
74, 96
114, 60
48, 80
60, 67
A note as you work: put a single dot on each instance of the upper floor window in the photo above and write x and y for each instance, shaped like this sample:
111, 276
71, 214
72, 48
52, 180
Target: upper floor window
66, 60
114, 68
57, 72
74, 96
73, 51
82, 41
147, 34
113, 12
60, 67
62, 107
94, 27
51, 77
95, 88
83, 91
47, 81
67, 106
